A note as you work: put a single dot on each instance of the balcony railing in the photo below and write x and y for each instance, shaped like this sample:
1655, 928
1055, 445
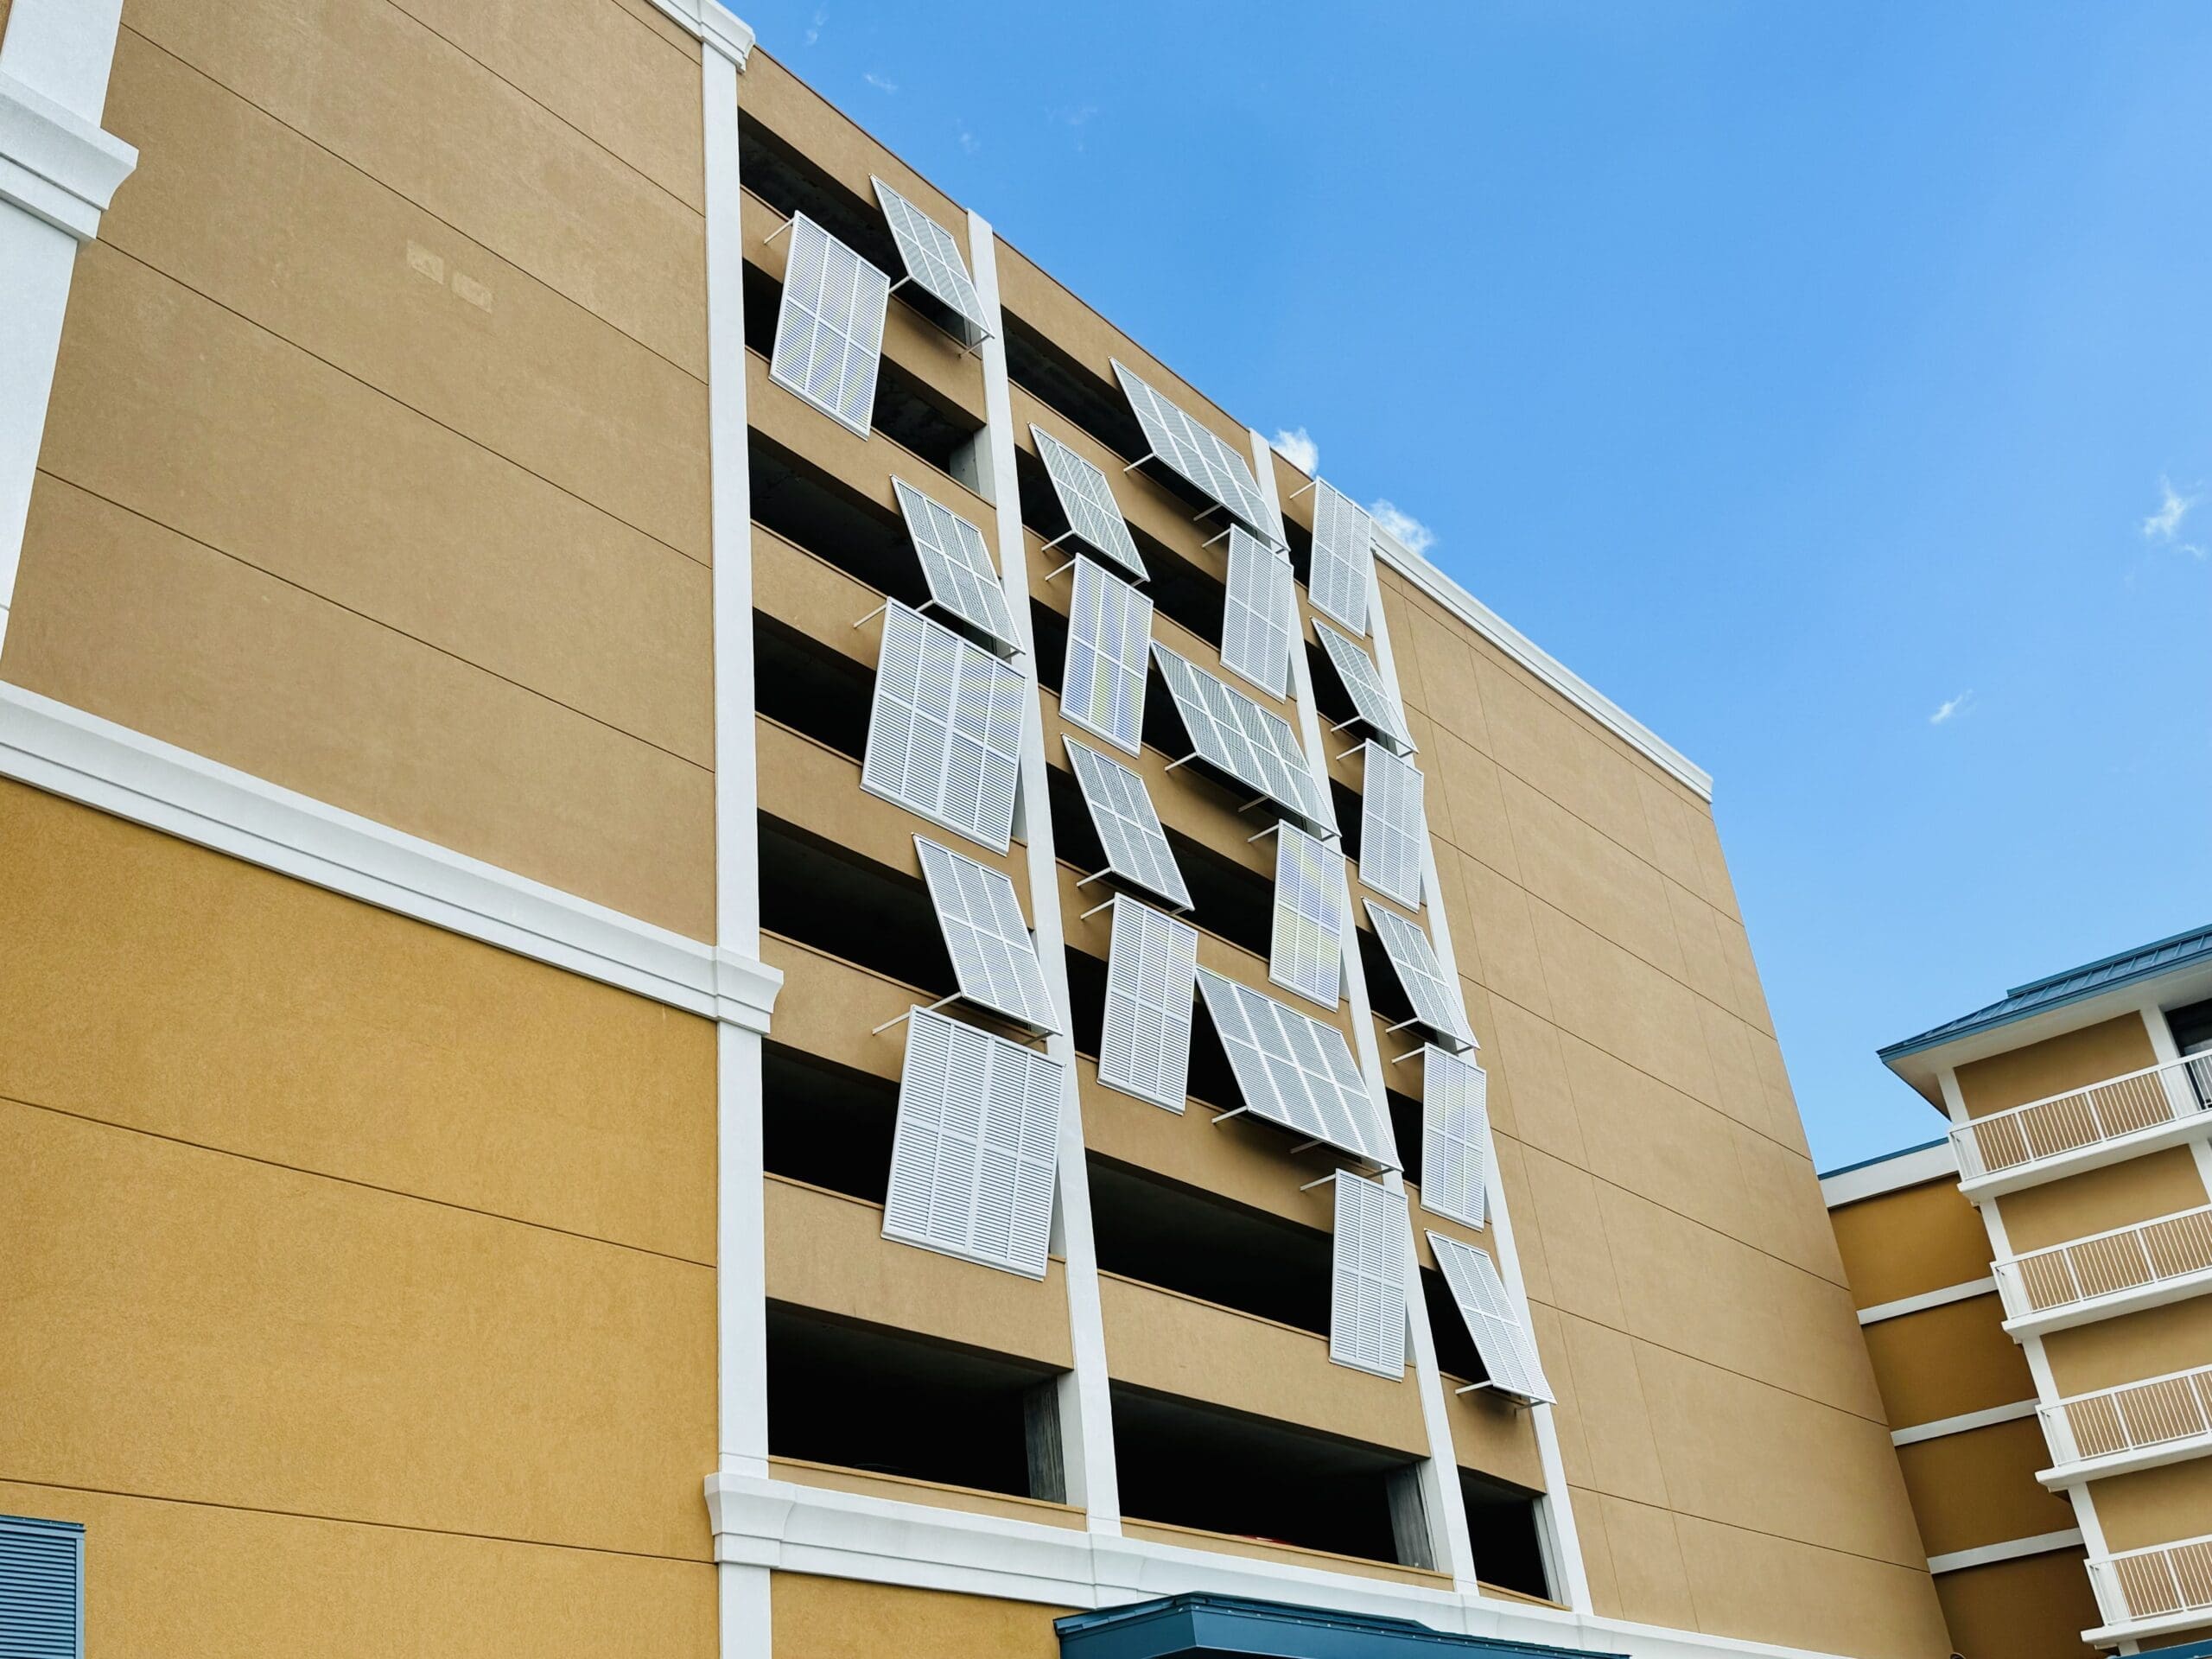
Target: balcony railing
2114, 1424
2043, 1131
2165, 1583
2173, 1252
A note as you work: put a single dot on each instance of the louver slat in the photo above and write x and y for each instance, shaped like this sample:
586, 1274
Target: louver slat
1256, 621
41, 1588
961, 579
1109, 635
1087, 497
1372, 704
1306, 948
1233, 734
830, 326
1343, 550
1367, 1300
1293, 1071
1391, 825
945, 732
1436, 1005
1145, 1047
932, 261
1129, 828
1509, 1354
1454, 1136
972, 1158
994, 958
1195, 454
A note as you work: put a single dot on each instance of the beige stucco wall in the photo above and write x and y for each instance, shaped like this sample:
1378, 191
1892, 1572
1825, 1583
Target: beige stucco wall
835, 1618
2032, 1608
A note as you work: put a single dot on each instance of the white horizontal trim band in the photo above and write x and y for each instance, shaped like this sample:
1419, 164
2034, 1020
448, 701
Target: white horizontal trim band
54, 164
1913, 1168
2013, 1549
1927, 1299
1965, 1423
82, 758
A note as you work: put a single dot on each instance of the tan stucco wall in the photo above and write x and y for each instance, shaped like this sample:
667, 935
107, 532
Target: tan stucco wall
1979, 1487
1910, 1242
2154, 1184
835, 1618
2074, 1060
1943, 1362
2032, 1608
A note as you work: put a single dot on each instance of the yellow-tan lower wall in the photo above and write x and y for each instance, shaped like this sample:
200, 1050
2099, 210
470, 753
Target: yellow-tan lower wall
2032, 1608
839, 1618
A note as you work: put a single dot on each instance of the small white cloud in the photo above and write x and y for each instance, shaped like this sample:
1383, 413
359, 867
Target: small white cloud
879, 83
2173, 507
1951, 709
814, 34
968, 143
1417, 536
1297, 447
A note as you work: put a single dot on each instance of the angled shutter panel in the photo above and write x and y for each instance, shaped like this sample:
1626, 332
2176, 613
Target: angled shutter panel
1144, 1047
1306, 951
1367, 1300
1509, 1353
1087, 497
1192, 451
1110, 631
1295, 1072
994, 958
1392, 826
41, 1588
1344, 549
1283, 775
972, 1158
1372, 703
830, 326
961, 579
1436, 1004
1258, 620
933, 260
945, 732
1454, 1135
1129, 828
1233, 734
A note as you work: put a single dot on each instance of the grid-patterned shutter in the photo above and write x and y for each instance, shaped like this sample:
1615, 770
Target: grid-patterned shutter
1344, 549
1436, 1004
1367, 1295
944, 734
1454, 1135
1102, 684
1256, 622
1294, 1071
994, 958
972, 1158
1128, 827
1509, 1353
41, 1588
1192, 451
933, 260
1372, 704
1283, 773
830, 326
961, 579
1232, 733
1305, 946
1144, 1047
1391, 825
1087, 497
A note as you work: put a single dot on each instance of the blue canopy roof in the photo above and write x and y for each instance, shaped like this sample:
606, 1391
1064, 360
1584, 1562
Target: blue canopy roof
1199, 1627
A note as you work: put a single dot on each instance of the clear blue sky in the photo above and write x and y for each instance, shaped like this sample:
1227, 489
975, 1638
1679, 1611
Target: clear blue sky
1793, 372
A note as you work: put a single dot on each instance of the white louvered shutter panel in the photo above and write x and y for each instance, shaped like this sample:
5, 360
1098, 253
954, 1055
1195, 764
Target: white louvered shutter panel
1509, 1352
1367, 1298
1109, 632
1436, 1002
957, 567
945, 732
1129, 828
1195, 454
1306, 948
1087, 497
1294, 1071
1344, 549
1454, 1135
1283, 774
994, 958
973, 1157
1232, 733
1144, 1048
932, 259
1372, 703
830, 326
1256, 622
1392, 826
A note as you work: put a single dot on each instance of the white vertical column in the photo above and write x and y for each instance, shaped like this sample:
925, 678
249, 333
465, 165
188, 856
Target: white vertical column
1439, 1475
58, 172
1085, 1400
1563, 1543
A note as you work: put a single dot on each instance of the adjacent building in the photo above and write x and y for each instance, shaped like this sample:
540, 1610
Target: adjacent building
722, 933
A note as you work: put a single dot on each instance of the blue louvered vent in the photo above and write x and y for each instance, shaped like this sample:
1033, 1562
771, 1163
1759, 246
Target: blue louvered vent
41, 1589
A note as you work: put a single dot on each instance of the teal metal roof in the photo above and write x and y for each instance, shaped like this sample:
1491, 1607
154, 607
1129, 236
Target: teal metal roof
2108, 973
1233, 1627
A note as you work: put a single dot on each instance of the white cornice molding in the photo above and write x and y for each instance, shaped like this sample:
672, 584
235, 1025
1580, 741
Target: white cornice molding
82, 758
2012, 1549
1914, 1168
1927, 1299
54, 164
714, 24
1965, 1423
